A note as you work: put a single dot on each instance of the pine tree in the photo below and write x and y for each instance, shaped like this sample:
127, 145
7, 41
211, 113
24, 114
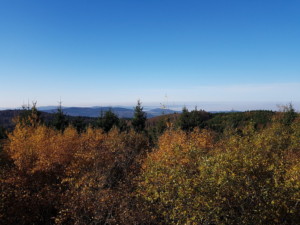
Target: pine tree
189, 120
139, 119
184, 119
60, 120
3, 133
289, 114
109, 120
29, 116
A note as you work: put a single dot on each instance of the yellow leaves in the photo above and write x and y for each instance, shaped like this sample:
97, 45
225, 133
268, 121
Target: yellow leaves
176, 146
245, 178
237, 180
170, 174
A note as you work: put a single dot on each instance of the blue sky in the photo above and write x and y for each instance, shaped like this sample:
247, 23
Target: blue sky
115, 52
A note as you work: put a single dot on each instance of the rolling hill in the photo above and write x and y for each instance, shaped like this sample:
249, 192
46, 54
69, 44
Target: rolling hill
96, 111
87, 113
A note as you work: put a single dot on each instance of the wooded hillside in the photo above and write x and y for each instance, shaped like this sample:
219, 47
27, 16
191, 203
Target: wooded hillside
194, 168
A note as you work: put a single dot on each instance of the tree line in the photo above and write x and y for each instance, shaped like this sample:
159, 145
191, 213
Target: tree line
192, 168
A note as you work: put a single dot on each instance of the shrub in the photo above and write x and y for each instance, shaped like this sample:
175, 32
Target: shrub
246, 178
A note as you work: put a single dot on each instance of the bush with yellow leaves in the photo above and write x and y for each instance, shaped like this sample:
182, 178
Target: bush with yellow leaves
245, 178
100, 179
31, 186
70, 178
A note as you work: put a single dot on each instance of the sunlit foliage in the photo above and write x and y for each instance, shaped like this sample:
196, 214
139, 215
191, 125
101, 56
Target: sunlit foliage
70, 178
170, 172
31, 187
246, 178
247, 175
100, 179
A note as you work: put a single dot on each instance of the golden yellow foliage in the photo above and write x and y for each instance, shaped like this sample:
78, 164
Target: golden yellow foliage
100, 179
85, 177
41, 148
245, 178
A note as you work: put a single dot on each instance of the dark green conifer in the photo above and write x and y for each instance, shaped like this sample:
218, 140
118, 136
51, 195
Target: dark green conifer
289, 114
60, 121
189, 120
108, 120
139, 119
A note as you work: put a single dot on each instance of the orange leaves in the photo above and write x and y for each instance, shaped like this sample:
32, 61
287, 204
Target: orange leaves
202, 139
176, 145
41, 148
100, 177
90, 174
245, 177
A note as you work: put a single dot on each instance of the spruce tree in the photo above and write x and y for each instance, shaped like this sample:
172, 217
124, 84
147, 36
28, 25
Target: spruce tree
289, 114
184, 119
189, 120
3, 133
108, 120
60, 121
139, 119
29, 116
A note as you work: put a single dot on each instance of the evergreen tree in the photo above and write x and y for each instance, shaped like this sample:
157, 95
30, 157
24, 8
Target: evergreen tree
79, 124
123, 126
2, 133
29, 116
184, 119
60, 121
107, 121
289, 114
189, 120
139, 119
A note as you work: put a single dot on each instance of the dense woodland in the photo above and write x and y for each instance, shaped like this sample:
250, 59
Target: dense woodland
188, 168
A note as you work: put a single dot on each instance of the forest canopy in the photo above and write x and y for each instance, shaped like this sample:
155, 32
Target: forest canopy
190, 168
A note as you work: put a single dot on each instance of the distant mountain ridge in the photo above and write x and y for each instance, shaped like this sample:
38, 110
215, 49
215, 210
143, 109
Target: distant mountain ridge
6, 115
96, 111
122, 112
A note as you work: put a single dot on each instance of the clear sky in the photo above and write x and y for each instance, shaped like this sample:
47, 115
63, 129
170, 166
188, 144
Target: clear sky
115, 52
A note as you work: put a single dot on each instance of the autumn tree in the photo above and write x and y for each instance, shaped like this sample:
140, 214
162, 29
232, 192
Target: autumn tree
244, 176
250, 177
31, 188
101, 179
